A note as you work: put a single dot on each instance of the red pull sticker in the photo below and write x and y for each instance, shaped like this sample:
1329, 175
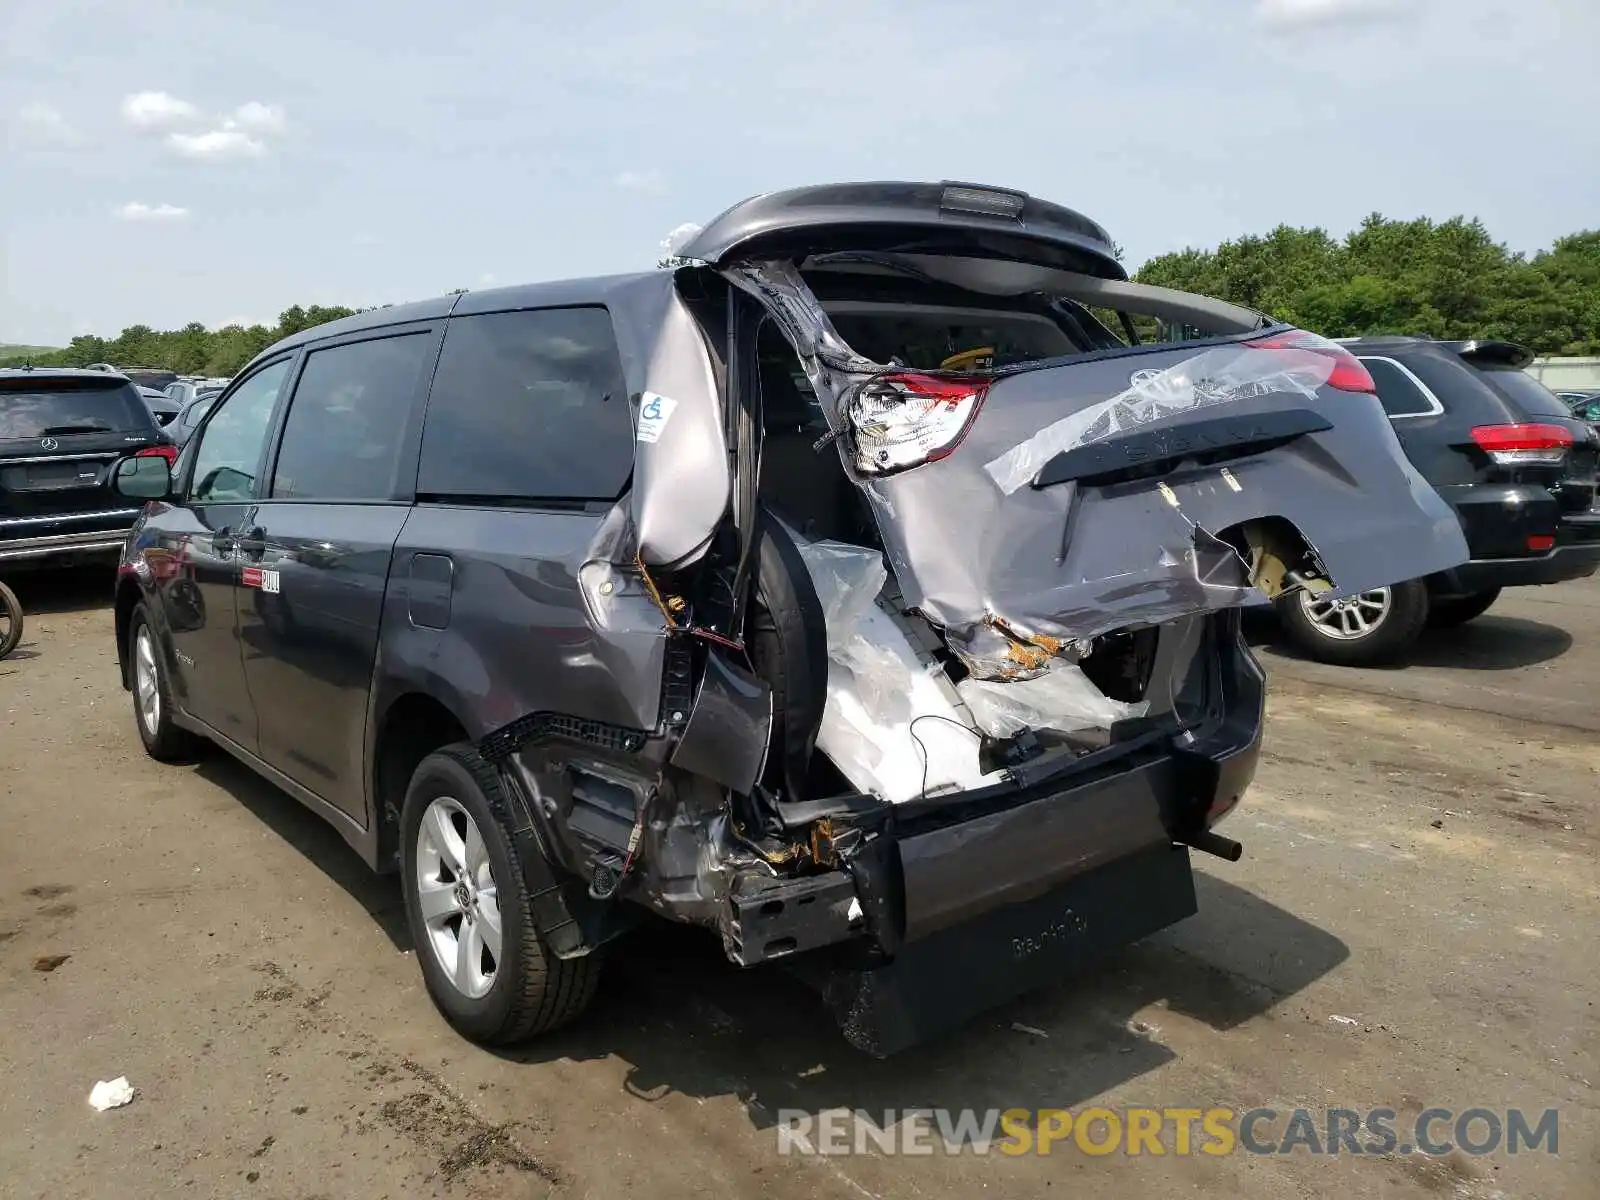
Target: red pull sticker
251, 577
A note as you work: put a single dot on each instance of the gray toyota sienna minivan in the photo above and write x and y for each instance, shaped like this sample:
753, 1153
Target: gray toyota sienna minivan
865, 590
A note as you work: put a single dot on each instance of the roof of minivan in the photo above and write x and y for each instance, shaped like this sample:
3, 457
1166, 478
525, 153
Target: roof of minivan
551, 294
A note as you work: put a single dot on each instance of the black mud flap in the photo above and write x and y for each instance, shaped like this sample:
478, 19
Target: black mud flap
950, 977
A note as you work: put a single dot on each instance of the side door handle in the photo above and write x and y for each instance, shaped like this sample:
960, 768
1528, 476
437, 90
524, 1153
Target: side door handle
252, 541
222, 542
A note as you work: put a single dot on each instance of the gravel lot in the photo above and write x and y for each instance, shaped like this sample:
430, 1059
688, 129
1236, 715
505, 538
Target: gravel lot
1420, 858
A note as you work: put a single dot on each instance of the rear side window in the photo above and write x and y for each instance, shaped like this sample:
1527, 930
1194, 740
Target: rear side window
347, 420
1525, 394
528, 406
64, 407
1397, 391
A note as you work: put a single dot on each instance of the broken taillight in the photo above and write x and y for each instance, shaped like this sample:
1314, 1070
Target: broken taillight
904, 419
1348, 373
1524, 445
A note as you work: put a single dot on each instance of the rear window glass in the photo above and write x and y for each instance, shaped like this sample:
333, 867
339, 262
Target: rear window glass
65, 408
528, 405
1399, 396
931, 338
1523, 392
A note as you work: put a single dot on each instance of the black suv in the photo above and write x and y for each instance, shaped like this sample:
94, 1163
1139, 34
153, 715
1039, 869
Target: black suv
852, 591
1513, 461
61, 432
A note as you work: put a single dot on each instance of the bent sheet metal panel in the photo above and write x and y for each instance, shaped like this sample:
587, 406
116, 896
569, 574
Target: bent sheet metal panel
1075, 561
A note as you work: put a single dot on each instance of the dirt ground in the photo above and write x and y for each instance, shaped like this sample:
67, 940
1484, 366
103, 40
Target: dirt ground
1420, 863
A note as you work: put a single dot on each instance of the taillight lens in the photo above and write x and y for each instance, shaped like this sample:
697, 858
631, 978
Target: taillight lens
904, 419
170, 453
1524, 445
1348, 373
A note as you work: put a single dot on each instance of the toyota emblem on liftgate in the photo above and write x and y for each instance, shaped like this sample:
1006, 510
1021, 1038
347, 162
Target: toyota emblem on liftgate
49, 444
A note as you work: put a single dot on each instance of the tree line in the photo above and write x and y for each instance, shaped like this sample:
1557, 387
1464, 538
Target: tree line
1446, 279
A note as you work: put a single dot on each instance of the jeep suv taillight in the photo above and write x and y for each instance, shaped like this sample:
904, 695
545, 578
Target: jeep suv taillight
904, 419
1348, 373
1524, 445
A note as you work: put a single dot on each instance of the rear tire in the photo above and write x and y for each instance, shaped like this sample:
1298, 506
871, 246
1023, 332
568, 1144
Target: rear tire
163, 739
1380, 629
470, 912
1458, 610
10, 621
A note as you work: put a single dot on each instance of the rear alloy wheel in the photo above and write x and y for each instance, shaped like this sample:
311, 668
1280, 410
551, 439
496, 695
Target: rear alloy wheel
470, 911
1367, 629
1458, 610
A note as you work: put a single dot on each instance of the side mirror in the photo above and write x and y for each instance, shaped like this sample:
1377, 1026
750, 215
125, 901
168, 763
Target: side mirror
143, 477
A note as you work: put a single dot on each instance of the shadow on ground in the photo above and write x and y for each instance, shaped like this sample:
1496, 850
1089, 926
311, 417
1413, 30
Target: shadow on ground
1491, 643
62, 589
687, 1021
314, 838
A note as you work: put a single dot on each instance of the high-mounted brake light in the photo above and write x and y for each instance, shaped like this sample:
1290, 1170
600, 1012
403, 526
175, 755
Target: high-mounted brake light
1349, 375
904, 419
1524, 445
170, 453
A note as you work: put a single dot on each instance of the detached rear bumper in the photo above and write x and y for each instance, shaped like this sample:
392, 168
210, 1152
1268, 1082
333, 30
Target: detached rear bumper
956, 906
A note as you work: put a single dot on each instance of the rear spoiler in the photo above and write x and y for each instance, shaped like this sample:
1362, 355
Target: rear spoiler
1487, 352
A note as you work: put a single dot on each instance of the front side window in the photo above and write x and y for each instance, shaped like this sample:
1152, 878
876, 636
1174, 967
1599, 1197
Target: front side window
231, 444
528, 406
347, 420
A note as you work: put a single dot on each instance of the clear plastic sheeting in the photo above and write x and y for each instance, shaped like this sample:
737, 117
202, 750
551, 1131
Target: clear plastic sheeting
1063, 699
893, 723
1224, 375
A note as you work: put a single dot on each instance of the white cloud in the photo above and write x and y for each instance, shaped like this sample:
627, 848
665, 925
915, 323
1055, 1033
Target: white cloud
44, 125
216, 144
640, 181
1303, 14
259, 117
135, 210
680, 237
486, 279
152, 110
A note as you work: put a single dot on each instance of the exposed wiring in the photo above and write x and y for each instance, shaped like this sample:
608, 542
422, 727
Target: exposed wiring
672, 622
922, 792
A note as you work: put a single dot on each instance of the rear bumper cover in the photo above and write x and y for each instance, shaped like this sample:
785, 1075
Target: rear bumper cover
21, 544
962, 907
1498, 526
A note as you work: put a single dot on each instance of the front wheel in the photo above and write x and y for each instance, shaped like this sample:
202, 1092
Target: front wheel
1365, 630
470, 912
163, 739
10, 621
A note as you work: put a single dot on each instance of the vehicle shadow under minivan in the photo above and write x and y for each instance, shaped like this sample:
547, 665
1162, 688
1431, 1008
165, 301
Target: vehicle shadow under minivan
687, 1021
314, 838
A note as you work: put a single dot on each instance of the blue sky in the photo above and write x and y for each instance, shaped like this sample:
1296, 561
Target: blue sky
169, 161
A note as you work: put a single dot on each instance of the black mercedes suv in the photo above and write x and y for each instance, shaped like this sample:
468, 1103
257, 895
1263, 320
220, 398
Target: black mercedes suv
1515, 463
852, 590
61, 433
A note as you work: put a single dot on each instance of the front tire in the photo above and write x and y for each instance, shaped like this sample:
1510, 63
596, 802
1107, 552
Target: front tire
163, 739
1458, 610
1374, 628
470, 912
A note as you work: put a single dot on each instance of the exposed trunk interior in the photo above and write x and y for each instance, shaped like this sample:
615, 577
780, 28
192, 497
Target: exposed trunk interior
897, 713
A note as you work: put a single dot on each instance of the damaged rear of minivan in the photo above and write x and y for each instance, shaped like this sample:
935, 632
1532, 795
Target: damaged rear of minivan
928, 580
